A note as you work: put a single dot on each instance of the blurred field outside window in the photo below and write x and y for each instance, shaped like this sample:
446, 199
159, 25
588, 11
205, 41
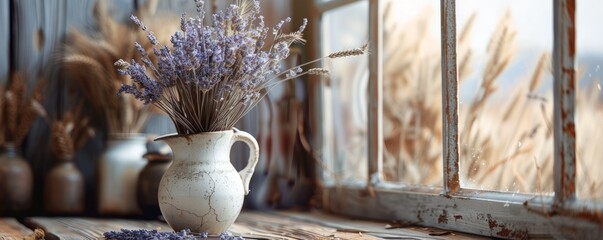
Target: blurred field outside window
505, 94
345, 96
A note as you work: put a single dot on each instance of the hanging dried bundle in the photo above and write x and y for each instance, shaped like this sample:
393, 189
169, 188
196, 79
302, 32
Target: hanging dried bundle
18, 111
213, 75
88, 64
70, 133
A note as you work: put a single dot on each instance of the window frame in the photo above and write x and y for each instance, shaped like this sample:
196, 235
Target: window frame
489, 213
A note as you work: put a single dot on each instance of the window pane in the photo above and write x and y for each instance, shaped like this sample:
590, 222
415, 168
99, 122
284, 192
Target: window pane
412, 103
589, 100
505, 118
345, 94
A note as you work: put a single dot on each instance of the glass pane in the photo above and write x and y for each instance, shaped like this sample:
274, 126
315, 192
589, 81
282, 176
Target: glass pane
345, 94
412, 86
589, 100
505, 117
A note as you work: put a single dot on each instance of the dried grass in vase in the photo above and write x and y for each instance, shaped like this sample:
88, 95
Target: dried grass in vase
70, 133
88, 63
213, 75
18, 111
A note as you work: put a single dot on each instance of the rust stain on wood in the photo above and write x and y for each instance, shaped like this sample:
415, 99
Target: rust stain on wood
565, 83
504, 230
453, 182
570, 129
419, 218
443, 218
590, 215
571, 30
593, 216
491, 222
449, 96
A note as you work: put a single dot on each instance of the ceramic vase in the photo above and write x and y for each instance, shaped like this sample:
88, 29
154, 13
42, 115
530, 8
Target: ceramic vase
64, 189
148, 184
119, 167
16, 182
201, 190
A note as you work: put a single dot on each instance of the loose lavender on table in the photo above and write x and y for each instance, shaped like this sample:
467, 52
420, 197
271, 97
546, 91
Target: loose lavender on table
214, 74
142, 234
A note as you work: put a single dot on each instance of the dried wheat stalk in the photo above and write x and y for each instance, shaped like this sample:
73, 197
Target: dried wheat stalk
18, 110
88, 63
510, 149
70, 133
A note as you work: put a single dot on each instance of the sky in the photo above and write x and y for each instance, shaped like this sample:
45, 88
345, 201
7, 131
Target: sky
533, 20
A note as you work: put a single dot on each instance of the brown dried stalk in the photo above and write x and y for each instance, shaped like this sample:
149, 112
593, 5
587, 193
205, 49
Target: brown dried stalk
500, 53
62, 145
70, 133
14, 95
19, 110
538, 72
412, 121
499, 140
88, 63
349, 53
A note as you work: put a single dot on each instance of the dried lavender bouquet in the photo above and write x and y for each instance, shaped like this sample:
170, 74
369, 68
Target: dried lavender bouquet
213, 75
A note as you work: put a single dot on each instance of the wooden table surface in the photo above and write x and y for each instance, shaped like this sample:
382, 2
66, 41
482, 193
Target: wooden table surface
250, 225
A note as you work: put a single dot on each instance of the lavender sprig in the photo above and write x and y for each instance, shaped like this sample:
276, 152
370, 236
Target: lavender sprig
143, 234
212, 75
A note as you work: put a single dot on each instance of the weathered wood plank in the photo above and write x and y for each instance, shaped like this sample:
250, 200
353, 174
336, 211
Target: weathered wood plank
88, 228
11, 229
280, 226
478, 212
253, 225
391, 230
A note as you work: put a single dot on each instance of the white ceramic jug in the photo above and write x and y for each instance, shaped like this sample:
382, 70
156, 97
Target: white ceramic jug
201, 190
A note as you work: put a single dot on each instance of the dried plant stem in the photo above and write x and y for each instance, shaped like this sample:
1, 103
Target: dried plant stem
18, 109
88, 63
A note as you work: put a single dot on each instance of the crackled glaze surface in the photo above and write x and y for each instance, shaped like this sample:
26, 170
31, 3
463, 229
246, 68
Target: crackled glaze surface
201, 190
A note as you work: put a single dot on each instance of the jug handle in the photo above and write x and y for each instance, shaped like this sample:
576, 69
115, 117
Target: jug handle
254, 155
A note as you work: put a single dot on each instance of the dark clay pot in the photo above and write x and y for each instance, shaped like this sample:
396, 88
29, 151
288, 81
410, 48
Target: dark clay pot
16, 182
148, 184
64, 189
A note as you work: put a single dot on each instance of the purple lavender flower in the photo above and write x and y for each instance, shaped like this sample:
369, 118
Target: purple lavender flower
152, 38
303, 26
138, 22
151, 90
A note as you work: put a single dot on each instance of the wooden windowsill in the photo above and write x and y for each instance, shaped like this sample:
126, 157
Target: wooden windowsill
250, 225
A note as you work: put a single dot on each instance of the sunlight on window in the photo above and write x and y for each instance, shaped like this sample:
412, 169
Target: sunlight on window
589, 100
346, 93
506, 98
412, 86
505, 93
